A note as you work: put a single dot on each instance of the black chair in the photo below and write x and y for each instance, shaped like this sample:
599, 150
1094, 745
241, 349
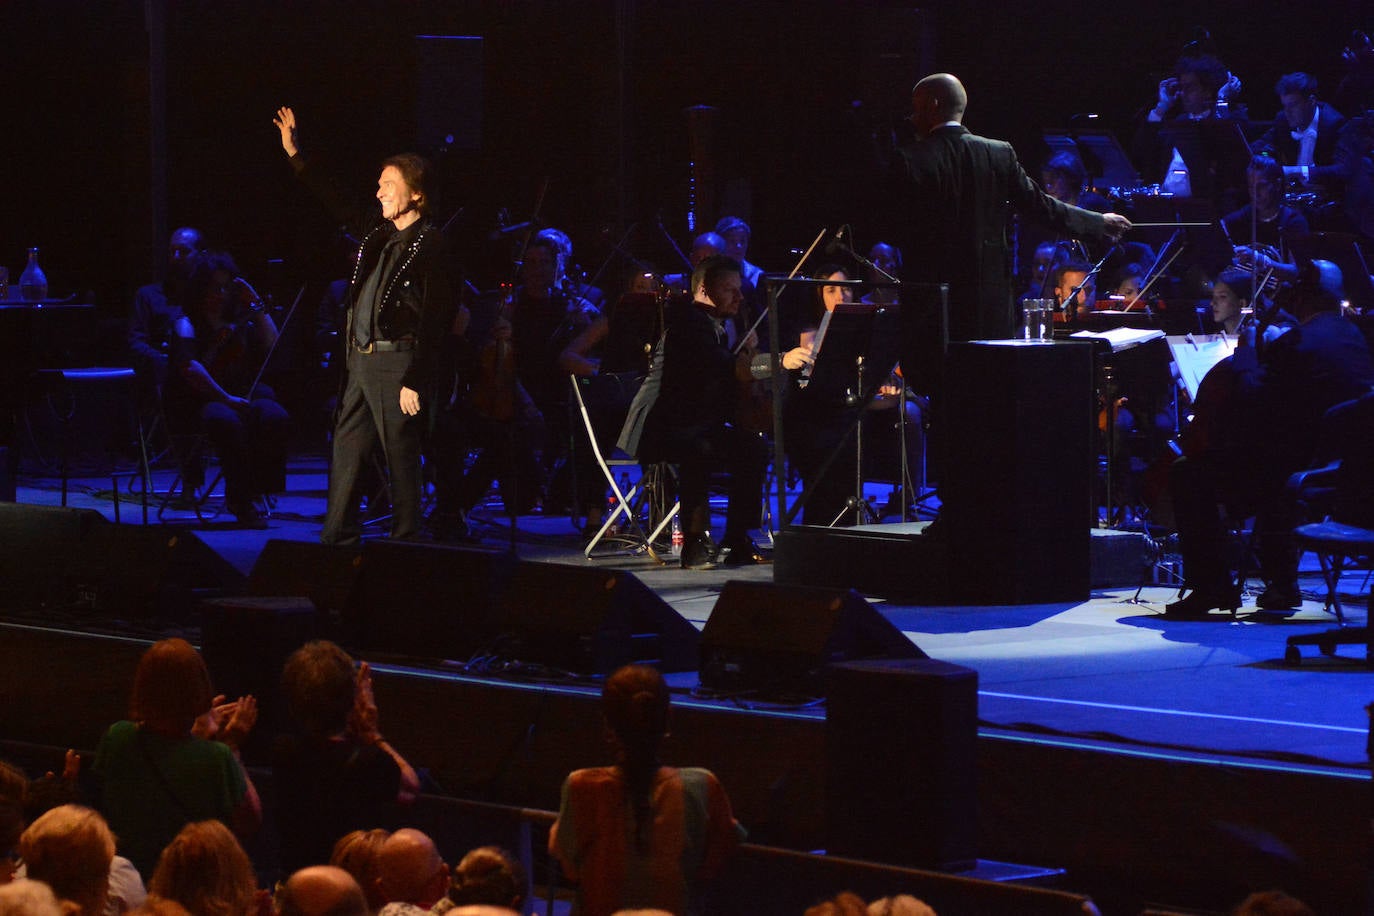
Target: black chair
1346, 535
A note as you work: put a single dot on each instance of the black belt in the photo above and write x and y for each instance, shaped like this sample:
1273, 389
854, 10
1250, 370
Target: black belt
386, 346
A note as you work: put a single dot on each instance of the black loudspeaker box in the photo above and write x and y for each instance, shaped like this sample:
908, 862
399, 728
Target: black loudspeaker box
591, 621
901, 774
768, 638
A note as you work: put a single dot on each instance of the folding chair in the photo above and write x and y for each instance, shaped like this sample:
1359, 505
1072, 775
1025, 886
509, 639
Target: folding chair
629, 502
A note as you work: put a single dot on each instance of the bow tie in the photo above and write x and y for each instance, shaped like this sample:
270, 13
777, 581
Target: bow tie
1301, 135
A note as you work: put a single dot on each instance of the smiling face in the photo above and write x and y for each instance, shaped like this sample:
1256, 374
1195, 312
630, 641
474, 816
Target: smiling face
397, 198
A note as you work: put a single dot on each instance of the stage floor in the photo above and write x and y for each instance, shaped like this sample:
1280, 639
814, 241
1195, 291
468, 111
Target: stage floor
1108, 673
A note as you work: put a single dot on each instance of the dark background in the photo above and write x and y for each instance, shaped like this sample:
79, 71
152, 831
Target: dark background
797, 87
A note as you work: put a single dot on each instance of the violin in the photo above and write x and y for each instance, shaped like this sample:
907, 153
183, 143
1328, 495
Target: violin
494, 394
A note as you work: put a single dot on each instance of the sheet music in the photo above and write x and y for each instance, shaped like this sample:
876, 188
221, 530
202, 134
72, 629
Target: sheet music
1122, 338
1195, 356
816, 341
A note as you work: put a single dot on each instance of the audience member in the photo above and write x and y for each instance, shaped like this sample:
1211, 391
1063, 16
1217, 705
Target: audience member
1272, 903
206, 871
356, 853
900, 905
411, 874
126, 891
321, 890
26, 897
487, 875
337, 773
70, 849
175, 760
638, 834
844, 903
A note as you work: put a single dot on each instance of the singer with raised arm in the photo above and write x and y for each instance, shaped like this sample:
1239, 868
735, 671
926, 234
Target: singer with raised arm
959, 191
399, 309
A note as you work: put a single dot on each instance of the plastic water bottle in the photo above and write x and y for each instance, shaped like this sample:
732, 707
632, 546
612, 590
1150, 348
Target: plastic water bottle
33, 283
676, 549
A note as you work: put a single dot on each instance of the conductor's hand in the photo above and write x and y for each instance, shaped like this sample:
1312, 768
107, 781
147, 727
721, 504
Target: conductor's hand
797, 358
1115, 226
410, 401
286, 123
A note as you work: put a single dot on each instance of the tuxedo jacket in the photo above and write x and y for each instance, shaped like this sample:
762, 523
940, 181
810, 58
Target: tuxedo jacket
960, 191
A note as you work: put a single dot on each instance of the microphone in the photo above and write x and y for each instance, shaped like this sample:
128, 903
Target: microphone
838, 242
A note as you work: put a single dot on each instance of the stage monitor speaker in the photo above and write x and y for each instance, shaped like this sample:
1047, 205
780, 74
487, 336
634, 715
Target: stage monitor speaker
1017, 483
591, 621
56, 557
777, 639
901, 768
325, 574
245, 642
424, 601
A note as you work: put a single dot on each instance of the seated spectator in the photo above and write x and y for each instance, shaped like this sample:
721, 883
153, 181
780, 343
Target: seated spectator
356, 853
1272, 903
70, 849
411, 874
638, 834
321, 890
206, 871
173, 761
487, 875
899, 905
338, 773
156, 906
126, 890
844, 903
28, 898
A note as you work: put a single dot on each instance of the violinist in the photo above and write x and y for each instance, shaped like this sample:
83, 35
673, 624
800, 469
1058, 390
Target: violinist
1269, 426
817, 420
1264, 225
218, 347
690, 421
1230, 300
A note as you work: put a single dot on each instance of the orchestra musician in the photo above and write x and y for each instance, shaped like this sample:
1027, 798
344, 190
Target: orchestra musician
1261, 229
217, 349
1230, 297
695, 389
1303, 137
1263, 429
818, 420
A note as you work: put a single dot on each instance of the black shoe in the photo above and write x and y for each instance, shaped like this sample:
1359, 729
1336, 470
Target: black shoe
742, 552
1199, 604
698, 552
246, 511
1277, 597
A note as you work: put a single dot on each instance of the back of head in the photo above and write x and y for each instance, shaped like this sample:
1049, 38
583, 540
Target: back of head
899, 905
70, 849
561, 240
1320, 288
171, 687
635, 702
488, 874
1272, 903
205, 870
1266, 168
944, 95
409, 868
844, 903
319, 683
26, 897
356, 853
321, 890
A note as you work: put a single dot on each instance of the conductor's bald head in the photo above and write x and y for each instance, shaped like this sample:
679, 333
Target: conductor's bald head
937, 99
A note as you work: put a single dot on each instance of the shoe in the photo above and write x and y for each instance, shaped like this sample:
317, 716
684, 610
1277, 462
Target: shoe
742, 552
1199, 604
1276, 597
698, 552
247, 514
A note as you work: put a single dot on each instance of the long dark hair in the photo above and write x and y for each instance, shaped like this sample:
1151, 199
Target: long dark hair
635, 703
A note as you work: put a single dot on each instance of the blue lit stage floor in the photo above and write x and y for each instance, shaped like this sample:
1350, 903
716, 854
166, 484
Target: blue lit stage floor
1106, 673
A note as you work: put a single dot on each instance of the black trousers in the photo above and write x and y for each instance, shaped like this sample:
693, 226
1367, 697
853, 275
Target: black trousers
741, 453
369, 410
